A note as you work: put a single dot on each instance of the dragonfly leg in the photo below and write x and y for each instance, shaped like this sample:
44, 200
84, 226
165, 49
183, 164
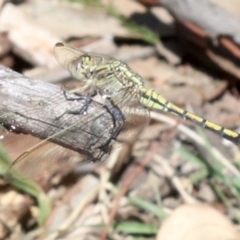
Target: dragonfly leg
118, 120
92, 94
87, 100
117, 115
101, 154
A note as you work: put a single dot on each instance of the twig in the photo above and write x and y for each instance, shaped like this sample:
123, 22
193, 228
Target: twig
126, 186
170, 172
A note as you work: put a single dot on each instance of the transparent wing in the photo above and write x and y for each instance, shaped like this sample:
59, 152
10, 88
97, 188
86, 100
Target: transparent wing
87, 135
48, 157
44, 160
136, 116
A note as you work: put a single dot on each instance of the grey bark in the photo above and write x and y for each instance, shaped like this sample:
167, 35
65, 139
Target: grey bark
41, 109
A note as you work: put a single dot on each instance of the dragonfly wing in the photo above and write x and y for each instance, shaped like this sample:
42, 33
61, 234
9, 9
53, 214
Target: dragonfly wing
46, 157
43, 160
66, 54
136, 119
90, 134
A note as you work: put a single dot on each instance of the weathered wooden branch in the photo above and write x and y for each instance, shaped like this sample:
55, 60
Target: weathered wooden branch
42, 110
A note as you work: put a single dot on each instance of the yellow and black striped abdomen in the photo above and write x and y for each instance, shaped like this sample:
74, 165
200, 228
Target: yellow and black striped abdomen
153, 100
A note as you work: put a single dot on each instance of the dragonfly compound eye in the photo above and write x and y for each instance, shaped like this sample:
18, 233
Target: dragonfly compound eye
77, 70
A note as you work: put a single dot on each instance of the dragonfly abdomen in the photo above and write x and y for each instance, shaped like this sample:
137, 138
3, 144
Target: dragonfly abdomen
153, 100
224, 132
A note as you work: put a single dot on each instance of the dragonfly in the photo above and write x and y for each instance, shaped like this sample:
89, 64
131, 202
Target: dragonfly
114, 78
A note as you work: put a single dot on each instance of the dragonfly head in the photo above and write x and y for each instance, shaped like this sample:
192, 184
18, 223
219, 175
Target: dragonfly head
77, 69
74, 60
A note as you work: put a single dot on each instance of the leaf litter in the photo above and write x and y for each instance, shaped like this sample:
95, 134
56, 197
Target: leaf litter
164, 171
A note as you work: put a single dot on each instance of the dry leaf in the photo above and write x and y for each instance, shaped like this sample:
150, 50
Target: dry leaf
197, 222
